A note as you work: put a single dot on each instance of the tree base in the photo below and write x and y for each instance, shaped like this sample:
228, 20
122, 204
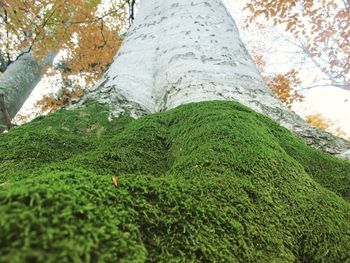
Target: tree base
210, 181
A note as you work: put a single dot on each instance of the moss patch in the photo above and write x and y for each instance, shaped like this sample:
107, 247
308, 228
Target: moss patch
206, 182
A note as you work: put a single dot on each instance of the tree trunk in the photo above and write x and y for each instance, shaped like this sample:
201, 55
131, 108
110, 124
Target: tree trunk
18, 81
182, 51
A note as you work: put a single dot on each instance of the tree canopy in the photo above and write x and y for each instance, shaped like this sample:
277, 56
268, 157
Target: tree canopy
321, 30
87, 32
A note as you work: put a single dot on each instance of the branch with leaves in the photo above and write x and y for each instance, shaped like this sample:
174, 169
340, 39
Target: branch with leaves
321, 28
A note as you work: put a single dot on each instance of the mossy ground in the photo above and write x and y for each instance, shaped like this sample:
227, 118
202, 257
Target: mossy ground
205, 182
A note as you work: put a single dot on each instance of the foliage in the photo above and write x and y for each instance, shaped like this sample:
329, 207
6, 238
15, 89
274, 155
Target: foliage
65, 96
319, 121
321, 29
88, 32
211, 181
284, 86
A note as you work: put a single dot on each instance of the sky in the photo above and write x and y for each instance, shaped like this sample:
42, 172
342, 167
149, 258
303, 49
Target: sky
333, 103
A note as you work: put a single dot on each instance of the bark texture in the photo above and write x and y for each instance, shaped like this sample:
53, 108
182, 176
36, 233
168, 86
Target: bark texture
18, 81
182, 51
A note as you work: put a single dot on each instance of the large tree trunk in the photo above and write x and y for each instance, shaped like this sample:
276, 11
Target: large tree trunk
182, 51
18, 81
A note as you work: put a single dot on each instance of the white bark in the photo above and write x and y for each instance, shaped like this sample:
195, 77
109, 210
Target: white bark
182, 51
19, 80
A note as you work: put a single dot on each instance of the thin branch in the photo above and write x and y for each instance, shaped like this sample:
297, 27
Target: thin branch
342, 86
131, 11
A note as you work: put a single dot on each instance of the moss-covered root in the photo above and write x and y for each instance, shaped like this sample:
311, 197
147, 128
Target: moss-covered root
205, 182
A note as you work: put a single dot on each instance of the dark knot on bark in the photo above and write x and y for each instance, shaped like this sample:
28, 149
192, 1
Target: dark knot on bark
6, 115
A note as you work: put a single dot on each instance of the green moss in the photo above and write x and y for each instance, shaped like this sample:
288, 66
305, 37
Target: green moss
205, 182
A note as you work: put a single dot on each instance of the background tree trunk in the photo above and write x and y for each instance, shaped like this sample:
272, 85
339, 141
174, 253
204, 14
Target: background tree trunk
185, 51
19, 80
